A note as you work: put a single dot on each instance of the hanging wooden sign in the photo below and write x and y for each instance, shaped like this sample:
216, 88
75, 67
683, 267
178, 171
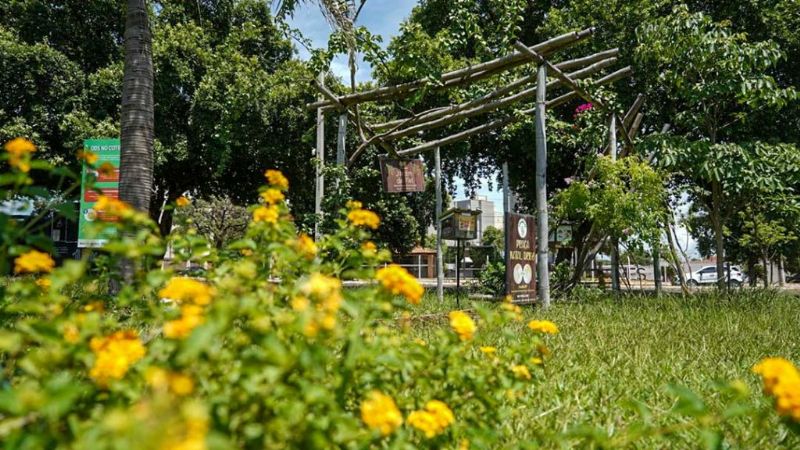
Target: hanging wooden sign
520, 258
402, 175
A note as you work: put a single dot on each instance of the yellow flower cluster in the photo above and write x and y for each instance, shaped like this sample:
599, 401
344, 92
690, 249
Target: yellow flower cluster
380, 413
113, 207
781, 381
106, 169
433, 420
182, 201
193, 436
89, 157
181, 328
185, 289
364, 218
276, 179
512, 310
462, 324
193, 295
326, 292
114, 355
521, 372
354, 204
306, 246
272, 196
19, 151
34, 262
488, 350
269, 214
164, 380
399, 281
543, 326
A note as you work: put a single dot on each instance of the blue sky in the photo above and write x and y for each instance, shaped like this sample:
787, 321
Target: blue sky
381, 17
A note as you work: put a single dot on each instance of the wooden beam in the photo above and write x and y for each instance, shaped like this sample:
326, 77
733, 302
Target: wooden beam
485, 105
501, 122
596, 66
460, 76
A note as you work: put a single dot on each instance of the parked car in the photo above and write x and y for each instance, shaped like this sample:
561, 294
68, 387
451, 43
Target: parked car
708, 275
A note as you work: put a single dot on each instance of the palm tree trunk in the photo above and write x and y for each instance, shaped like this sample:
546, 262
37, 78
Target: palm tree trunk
136, 122
136, 159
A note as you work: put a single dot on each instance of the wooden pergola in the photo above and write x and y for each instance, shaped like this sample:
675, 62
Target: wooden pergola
389, 135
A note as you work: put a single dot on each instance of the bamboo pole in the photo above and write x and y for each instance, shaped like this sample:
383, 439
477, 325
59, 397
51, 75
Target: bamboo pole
543, 234
467, 74
610, 78
439, 254
612, 144
485, 106
320, 176
341, 139
499, 123
590, 64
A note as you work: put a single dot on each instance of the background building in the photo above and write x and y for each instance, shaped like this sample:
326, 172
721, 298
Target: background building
488, 217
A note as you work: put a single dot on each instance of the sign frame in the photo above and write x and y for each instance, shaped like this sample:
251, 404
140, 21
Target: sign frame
402, 175
108, 151
520, 255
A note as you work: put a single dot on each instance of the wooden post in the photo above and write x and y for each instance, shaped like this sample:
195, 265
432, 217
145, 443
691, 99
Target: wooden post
657, 265
506, 191
612, 144
543, 233
341, 155
319, 192
439, 262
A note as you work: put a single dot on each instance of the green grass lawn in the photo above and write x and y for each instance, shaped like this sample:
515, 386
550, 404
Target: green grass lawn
612, 351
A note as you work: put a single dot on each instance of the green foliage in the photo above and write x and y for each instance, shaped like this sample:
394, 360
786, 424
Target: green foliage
217, 219
492, 278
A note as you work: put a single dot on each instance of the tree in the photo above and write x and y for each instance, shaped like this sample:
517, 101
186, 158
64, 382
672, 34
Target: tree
218, 219
136, 120
713, 77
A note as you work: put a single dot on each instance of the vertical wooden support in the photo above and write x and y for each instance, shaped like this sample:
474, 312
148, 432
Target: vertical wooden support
543, 233
506, 191
612, 144
439, 254
320, 177
657, 265
341, 155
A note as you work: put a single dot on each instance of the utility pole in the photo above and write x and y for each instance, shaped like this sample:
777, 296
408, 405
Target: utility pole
543, 233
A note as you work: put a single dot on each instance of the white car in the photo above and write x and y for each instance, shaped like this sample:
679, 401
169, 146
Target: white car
708, 275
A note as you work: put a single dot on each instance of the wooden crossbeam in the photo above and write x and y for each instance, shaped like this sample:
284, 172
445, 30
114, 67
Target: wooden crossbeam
457, 77
590, 63
501, 122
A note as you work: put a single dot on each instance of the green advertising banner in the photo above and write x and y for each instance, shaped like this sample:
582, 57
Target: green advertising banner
102, 176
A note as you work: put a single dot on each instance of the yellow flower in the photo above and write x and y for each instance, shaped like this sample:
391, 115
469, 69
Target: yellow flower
191, 318
513, 310
536, 361
463, 445
781, 381
184, 289
521, 372
462, 324
433, 420
182, 201
300, 303
364, 218
34, 262
276, 179
113, 207
114, 355
269, 214
19, 151
44, 283
354, 204
489, 350
306, 246
90, 157
161, 379
399, 281
543, 326
272, 196
193, 434
379, 412
322, 286
72, 334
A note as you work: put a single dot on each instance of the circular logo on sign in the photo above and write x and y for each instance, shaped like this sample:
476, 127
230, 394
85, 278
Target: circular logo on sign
522, 228
90, 215
518, 274
527, 274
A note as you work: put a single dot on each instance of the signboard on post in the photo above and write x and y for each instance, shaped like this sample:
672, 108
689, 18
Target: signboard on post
402, 175
520, 258
103, 177
460, 224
